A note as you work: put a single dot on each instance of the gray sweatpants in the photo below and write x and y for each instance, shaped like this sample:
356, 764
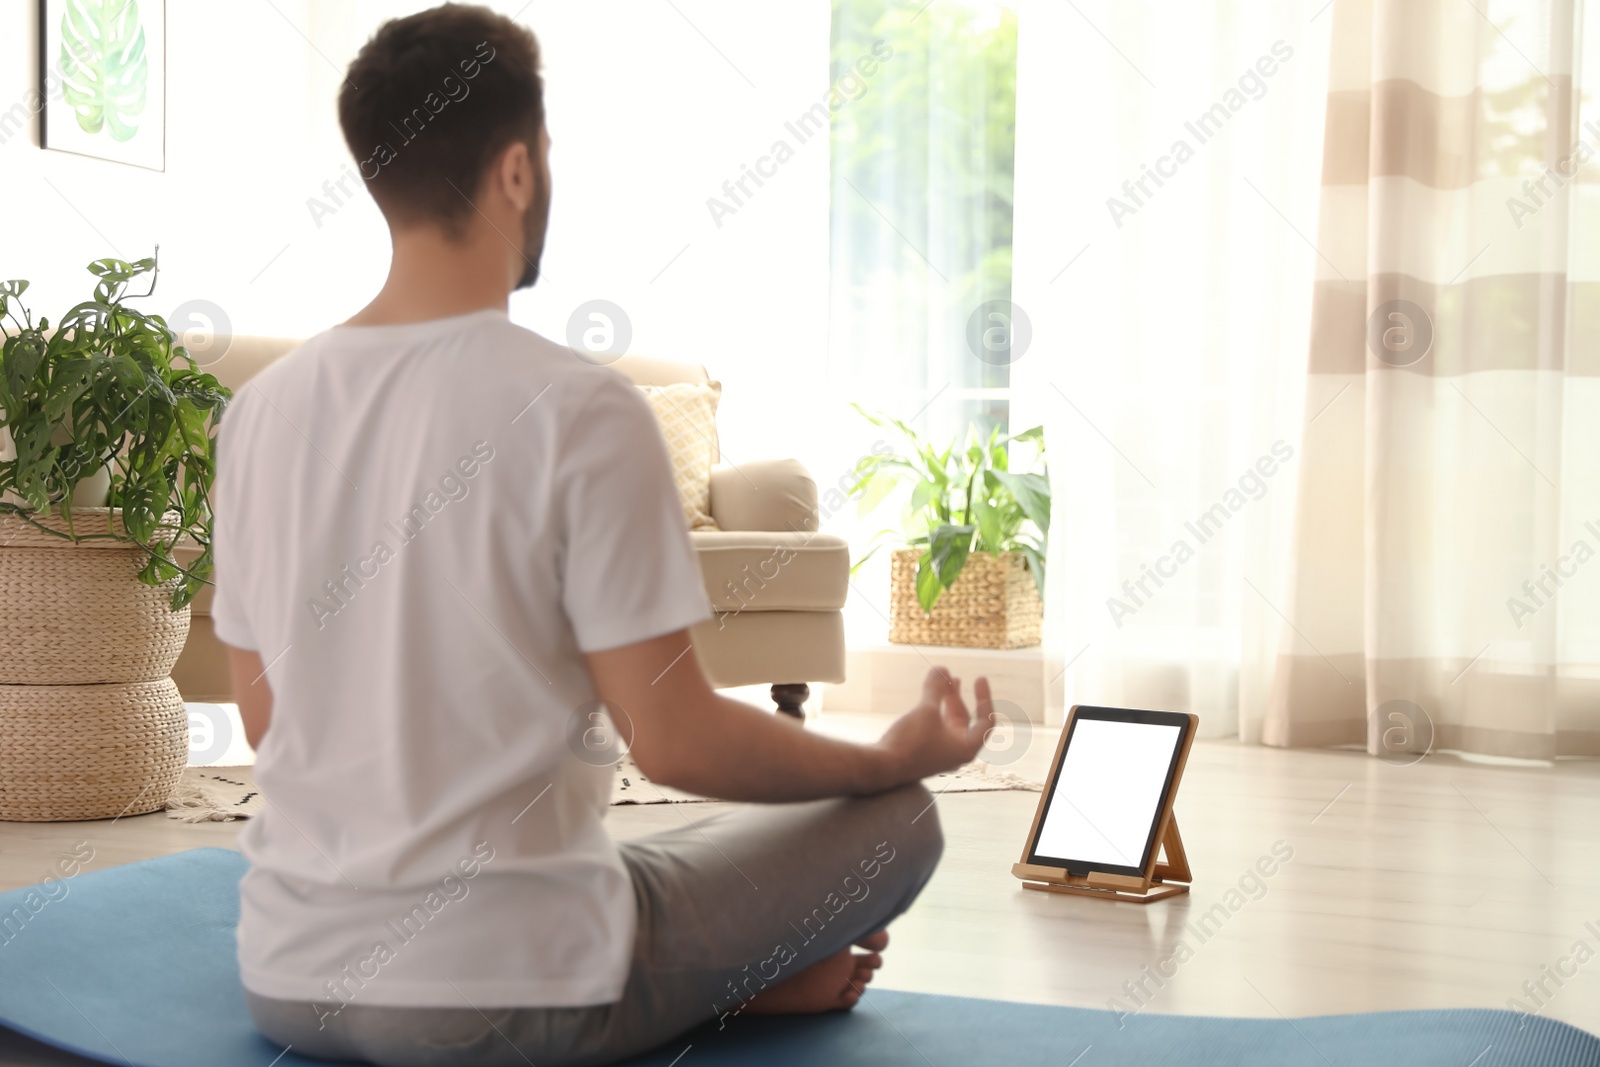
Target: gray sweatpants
727, 906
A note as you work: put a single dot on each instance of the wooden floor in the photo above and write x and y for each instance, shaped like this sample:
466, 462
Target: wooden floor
1442, 884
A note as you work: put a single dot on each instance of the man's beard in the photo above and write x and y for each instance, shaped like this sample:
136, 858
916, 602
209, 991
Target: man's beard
534, 224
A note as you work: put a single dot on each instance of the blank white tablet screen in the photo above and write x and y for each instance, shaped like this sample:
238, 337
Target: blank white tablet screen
1108, 793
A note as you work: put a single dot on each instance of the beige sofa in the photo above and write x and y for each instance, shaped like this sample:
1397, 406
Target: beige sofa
777, 586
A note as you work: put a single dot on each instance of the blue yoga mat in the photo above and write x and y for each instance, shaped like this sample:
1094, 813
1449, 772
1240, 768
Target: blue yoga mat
135, 965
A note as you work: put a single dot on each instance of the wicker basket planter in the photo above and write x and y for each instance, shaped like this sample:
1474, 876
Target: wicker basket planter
91, 725
993, 604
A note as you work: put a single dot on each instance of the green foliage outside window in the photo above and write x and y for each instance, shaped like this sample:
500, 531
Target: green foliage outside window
922, 164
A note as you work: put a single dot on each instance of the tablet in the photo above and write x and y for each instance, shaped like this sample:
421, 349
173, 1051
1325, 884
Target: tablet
1110, 790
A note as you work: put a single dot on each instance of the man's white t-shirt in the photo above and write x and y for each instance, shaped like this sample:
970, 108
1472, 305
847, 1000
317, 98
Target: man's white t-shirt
421, 529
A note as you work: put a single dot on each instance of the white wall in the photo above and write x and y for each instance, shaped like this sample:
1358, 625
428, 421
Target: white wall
648, 121
236, 112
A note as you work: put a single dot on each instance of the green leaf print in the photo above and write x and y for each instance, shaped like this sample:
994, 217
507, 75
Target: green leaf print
103, 65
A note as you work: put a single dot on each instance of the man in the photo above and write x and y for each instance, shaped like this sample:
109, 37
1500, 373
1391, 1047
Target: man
442, 542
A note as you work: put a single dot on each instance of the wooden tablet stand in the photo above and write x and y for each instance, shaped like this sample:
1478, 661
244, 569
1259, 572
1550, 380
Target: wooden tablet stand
1161, 880
1167, 871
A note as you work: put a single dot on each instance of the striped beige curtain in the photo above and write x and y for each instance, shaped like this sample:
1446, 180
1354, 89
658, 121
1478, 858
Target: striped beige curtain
1446, 580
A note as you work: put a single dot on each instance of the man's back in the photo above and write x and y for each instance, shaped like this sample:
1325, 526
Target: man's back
421, 528
442, 542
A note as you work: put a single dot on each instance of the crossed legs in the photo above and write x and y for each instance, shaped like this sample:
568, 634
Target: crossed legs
750, 911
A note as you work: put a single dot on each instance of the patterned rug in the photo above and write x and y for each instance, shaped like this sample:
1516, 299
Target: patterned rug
632, 787
223, 794
215, 794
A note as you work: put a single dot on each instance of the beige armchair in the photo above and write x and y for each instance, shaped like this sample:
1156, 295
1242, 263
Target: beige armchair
777, 586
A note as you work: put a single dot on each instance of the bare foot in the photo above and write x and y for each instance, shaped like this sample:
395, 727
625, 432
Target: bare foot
833, 984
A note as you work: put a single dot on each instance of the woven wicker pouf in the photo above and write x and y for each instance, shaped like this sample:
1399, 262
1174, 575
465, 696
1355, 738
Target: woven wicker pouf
993, 604
91, 724
90, 751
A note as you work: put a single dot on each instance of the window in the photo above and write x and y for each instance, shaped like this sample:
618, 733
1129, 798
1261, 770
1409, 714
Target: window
923, 136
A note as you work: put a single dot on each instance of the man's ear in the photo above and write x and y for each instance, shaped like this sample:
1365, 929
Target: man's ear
514, 174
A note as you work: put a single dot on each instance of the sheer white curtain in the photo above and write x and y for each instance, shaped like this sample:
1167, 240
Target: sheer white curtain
1166, 187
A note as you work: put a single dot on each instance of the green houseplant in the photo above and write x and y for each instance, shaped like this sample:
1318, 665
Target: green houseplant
966, 501
107, 457
110, 388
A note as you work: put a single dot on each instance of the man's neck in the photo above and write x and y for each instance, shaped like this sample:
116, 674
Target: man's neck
433, 277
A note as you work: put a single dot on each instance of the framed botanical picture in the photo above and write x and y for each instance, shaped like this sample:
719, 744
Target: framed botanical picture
103, 68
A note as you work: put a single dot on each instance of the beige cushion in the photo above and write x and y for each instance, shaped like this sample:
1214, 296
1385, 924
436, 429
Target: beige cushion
762, 570
761, 648
769, 494
687, 415
235, 360
202, 673
646, 370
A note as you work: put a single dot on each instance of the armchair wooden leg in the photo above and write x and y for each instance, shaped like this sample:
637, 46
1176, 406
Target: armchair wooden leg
790, 698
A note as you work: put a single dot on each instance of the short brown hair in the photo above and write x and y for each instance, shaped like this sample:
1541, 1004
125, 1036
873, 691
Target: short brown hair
430, 100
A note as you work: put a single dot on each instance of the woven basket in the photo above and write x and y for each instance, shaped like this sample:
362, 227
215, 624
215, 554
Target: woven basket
91, 725
993, 604
90, 751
